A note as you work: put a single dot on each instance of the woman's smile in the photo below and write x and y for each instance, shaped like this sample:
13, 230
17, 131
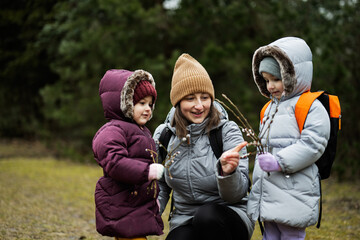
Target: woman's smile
196, 107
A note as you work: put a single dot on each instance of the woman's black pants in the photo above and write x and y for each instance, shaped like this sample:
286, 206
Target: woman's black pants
210, 222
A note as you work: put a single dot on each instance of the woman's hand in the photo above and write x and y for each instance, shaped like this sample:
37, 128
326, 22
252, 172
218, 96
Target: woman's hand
229, 160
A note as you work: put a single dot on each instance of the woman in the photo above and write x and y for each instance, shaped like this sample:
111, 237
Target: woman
209, 194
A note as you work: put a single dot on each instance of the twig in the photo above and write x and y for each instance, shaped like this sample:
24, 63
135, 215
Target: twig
245, 126
170, 155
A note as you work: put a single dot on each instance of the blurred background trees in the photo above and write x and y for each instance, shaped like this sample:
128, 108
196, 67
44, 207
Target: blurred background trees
54, 53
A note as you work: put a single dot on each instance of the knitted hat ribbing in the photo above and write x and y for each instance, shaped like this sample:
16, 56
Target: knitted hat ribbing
189, 77
144, 88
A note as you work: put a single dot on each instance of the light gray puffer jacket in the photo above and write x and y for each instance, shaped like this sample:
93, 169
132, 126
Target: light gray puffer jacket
195, 175
290, 197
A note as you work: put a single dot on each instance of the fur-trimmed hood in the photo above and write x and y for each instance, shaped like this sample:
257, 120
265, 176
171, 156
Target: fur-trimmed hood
116, 91
295, 59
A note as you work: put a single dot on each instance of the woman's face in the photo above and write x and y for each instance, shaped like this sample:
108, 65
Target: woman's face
196, 107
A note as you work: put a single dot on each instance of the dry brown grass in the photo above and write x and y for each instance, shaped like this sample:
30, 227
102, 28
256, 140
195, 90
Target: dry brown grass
44, 198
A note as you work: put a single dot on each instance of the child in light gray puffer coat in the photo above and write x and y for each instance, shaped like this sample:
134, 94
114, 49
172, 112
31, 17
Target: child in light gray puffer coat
286, 188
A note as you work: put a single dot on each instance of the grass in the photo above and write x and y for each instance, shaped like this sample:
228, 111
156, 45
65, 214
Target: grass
44, 198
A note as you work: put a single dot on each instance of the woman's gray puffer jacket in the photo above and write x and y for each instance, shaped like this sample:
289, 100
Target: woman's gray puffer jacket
289, 197
195, 176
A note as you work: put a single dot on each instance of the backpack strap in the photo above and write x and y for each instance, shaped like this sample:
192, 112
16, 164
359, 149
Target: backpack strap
320, 210
164, 140
303, 105
335, 110
262, 112
216, 143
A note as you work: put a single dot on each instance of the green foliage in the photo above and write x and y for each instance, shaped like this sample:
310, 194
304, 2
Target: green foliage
65, 47
23, 66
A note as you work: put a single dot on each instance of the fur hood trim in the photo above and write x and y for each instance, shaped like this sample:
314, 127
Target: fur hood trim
295, 60
286, 69
127, 93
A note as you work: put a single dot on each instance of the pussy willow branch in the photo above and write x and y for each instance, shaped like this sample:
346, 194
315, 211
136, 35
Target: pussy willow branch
170, 155
154, 156
242, 119
245, 126
266, 127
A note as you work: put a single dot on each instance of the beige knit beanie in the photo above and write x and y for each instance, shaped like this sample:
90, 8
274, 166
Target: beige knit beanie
189, 77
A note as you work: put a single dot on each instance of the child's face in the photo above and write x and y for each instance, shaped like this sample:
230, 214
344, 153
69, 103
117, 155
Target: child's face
274, 85
196, 107
143, 110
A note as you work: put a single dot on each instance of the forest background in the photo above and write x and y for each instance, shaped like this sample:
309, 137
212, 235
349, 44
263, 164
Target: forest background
53, 54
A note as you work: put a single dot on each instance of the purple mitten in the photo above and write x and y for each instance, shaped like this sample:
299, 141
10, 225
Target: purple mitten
156, 170
268, 163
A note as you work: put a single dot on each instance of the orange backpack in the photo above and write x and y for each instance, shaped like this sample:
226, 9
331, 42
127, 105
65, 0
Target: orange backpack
332, 106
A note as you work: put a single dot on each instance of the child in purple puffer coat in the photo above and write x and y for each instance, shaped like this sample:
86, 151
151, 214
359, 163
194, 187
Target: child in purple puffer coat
126, 196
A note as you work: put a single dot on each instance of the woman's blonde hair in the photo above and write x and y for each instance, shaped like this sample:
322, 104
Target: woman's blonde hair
180, 122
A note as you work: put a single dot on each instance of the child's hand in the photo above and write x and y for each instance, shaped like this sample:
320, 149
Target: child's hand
156, 171
268, 163
229, 160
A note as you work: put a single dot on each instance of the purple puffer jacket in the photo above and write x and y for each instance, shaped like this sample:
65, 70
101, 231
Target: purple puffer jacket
126, 202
